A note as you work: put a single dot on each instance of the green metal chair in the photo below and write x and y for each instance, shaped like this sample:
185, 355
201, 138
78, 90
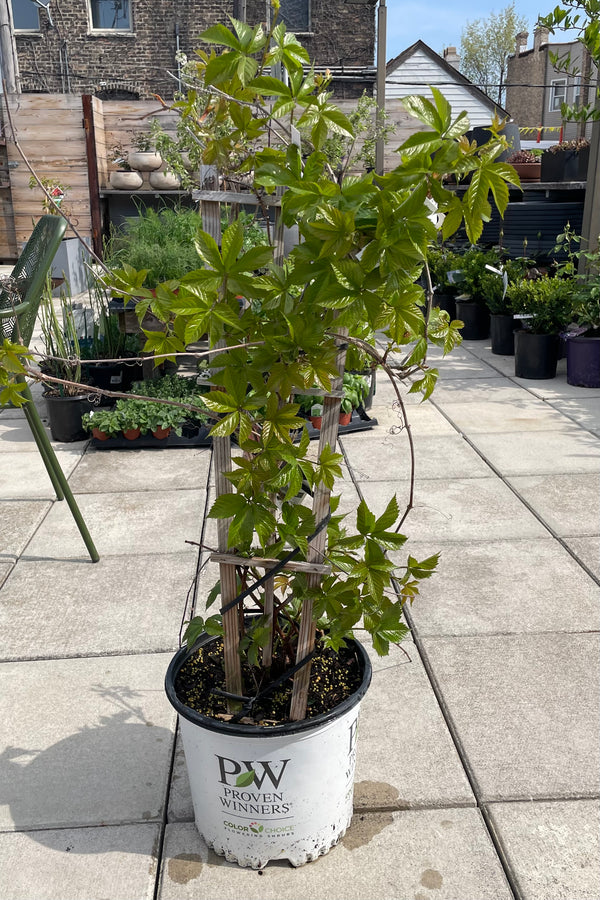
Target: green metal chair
17, 322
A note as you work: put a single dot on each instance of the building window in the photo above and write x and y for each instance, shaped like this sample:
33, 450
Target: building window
577, 90
110, 15
558, 94
295, 14
26, 15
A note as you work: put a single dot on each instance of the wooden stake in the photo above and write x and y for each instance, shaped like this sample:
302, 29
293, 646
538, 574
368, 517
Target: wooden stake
316, 550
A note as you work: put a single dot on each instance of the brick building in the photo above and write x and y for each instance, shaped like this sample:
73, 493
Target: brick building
535, 88
127, 48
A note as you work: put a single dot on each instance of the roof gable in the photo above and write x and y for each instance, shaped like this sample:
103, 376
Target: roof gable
448, 71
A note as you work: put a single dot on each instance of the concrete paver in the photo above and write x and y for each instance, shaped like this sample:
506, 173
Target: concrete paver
587, 550
526, 709
5, 569
541, 452
500, 416
420, 854
569, 504
552, 848
102, 471
386, 458
122, 604
124, 522
441, 514
19, 520
585, 413
77, 863
504, 587
502, 714
24, 476
87, 741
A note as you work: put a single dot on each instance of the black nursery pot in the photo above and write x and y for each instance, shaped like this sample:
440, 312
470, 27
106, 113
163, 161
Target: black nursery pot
502, 333
476, 317
65, 415
536, 355
446, 302
583, 361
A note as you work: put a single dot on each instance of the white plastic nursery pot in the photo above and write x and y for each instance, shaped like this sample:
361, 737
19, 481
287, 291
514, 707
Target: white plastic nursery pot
267, 793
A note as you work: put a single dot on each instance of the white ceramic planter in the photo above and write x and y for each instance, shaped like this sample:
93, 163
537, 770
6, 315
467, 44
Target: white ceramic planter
164, 181
126, 181
264, 794
144, 161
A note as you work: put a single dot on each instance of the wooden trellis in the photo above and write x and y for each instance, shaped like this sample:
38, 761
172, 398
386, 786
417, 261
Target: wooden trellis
314, 567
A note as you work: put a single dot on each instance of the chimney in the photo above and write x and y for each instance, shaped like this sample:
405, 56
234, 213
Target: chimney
521, 42
540, 36
452, 57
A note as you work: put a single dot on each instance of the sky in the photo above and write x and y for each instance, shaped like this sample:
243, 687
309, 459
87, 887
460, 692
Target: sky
439, 23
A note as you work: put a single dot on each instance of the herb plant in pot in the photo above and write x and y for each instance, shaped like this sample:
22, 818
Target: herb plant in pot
268, 688
544, 305
144, 157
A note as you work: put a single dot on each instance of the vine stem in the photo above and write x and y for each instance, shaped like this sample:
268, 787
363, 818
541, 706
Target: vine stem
387, 368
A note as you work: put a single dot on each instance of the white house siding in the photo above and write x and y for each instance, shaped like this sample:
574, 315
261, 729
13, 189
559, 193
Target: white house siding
419, 70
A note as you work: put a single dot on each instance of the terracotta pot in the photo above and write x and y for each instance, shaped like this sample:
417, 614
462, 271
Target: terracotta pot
145, 161
315, 421
99, 435
126, 181
528, 172
131, 434
345, 418
162, 433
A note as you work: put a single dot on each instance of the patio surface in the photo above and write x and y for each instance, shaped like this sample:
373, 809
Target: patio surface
479, 751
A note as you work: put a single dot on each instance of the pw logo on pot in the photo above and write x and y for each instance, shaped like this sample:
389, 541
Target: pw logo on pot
233, 773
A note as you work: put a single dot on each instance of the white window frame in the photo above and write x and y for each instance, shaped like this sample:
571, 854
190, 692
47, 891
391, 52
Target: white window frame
25, 30
94, 30
555, 96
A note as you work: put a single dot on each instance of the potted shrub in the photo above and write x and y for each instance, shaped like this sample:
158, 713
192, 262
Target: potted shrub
471, 306
494, 282
566, 161
249, 684
583, 333
441, 262
544, 306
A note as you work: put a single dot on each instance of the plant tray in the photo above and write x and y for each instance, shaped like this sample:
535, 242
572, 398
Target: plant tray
360, 422
148, 441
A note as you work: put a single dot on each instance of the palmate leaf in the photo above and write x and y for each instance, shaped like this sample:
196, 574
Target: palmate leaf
11, 394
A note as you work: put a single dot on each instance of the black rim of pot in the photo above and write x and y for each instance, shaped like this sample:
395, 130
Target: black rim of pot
238, 728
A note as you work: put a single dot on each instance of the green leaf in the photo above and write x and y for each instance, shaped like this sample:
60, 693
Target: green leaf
227, 505
365, 519
245, 779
